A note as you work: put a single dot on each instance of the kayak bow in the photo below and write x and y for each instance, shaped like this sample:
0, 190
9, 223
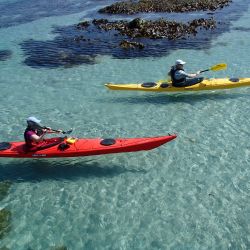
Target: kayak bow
73, 147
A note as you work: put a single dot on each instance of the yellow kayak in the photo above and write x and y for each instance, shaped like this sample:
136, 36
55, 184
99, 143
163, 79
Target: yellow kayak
166, 86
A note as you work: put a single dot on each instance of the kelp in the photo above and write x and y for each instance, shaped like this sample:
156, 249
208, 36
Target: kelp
5, 222
4, 248
59, 248
4, 189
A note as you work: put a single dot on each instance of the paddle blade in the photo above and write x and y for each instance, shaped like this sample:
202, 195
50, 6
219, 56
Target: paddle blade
220, 66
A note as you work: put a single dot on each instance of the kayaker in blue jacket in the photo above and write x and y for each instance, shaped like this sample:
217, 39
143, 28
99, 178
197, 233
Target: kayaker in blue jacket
182, 79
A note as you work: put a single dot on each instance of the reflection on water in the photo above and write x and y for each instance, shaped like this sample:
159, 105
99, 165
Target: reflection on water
170, 98
39, 170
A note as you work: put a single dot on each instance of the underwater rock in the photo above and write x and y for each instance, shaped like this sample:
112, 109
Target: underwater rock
83, 25
103, 38
57, 53
4, 188
59, 248
131, 7
5, 54
131, 45
80, 38
120, 39
69, 60
5, 219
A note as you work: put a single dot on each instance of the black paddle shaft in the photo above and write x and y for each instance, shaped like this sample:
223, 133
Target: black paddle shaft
204, 70
58, 131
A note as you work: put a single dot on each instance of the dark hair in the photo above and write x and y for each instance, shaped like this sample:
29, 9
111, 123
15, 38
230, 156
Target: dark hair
33, 125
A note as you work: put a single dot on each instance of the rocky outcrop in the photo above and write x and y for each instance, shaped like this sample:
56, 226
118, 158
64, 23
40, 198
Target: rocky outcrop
83, 25
139, 28
132, 7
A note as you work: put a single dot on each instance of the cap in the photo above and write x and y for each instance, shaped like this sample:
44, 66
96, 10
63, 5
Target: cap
33, 119
179, 62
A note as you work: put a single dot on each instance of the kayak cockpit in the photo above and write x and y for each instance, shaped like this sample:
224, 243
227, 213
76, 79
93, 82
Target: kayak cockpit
5, 145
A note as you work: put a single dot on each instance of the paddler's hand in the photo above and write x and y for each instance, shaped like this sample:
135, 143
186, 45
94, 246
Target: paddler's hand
198, 72
47, 130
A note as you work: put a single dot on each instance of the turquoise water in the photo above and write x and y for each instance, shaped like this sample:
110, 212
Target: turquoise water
192, 193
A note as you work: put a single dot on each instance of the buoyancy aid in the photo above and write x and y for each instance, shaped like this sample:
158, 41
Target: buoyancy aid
172, 74
27, 137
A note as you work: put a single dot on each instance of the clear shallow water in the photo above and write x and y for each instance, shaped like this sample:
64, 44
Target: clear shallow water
189, 194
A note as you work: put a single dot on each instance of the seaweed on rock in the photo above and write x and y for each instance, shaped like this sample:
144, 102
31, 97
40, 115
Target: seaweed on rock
131, 7
155, 29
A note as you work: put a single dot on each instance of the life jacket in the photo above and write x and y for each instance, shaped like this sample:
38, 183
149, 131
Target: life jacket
172, 74
29, 142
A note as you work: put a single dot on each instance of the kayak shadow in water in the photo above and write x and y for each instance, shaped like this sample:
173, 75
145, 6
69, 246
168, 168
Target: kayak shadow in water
157, 98
39, 169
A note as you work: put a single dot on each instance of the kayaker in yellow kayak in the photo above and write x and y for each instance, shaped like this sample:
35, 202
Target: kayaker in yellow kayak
182, 79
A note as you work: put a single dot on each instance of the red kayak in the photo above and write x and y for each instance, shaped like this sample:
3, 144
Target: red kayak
73, 147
